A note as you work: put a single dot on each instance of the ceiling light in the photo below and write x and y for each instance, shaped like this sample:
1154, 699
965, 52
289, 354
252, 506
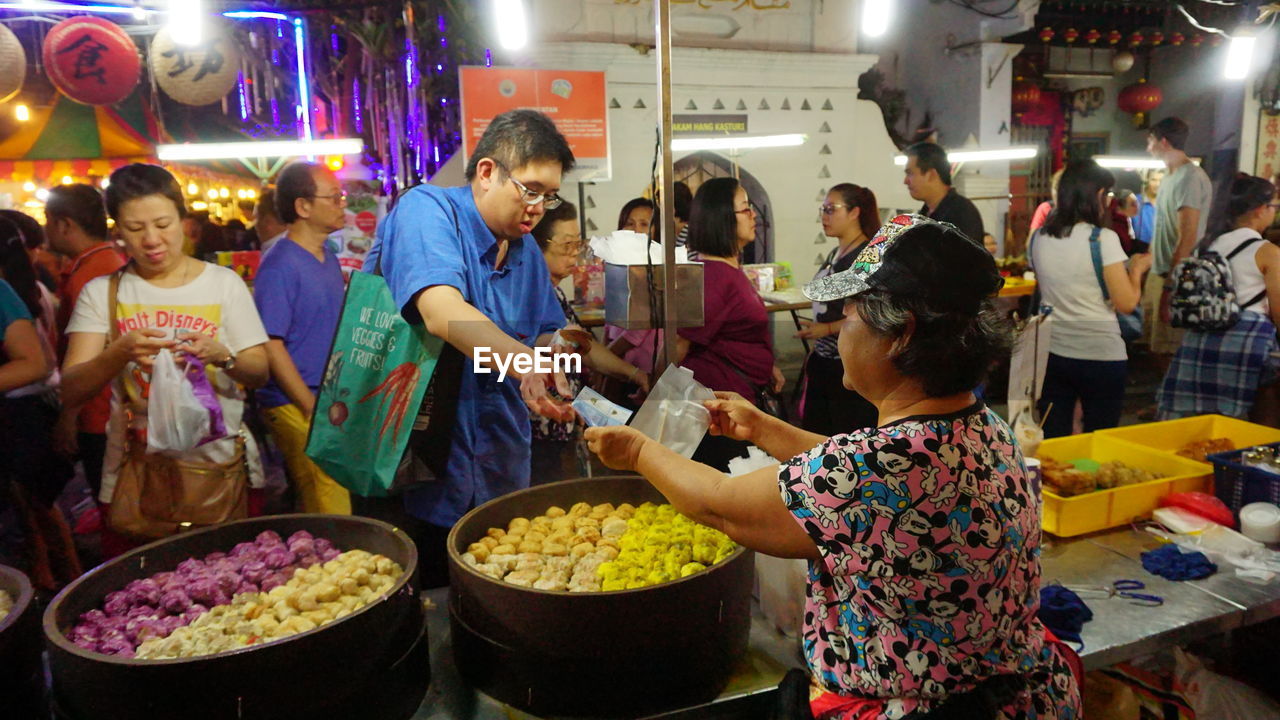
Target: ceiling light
513, 31
269, 149
738, 142
875, 17
971, 156
1239, 57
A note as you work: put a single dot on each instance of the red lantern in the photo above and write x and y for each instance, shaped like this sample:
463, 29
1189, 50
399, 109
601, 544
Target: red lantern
1114, 37
1070, 35
1197, 40
1135, 39
1215, 40
1177, 39
1157, 37
1026, 96
1139, 99
1046, 34
1092, 36
91, 60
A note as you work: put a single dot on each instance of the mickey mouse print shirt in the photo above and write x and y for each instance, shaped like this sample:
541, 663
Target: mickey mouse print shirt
929, 581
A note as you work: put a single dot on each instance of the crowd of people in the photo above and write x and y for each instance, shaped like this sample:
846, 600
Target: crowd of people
904, 331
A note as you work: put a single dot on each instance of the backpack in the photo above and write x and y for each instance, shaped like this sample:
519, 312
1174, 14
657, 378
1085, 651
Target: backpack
1204, 294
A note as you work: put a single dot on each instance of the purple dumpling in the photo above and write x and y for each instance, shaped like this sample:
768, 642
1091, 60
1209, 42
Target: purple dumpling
272, 582
203, 590
87, 643
228, 581
190, 567
277, 558
254, 571
268, 537
244, 548
176, 601
117, 606
214, 557
147, 592
246, 587
93, 617
302, 546
330, 554
116, 646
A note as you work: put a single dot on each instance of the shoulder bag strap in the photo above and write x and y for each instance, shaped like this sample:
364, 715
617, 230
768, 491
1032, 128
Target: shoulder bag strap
113, 292
1095, 251
1240, 248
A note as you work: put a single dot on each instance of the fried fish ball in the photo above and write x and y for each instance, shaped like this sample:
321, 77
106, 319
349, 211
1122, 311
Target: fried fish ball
535, 536
581, 508
555, 549
626, 511
504, 549
361, 576
587, 534
586, 522
495, 533
560, 536
480, 552
530, 546
608, 552
517, 523
613, 527
491, 542
555, 511
348, 586
562, 523
582, 550
328, 592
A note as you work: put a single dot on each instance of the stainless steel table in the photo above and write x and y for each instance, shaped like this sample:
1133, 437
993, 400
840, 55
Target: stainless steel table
1119, 630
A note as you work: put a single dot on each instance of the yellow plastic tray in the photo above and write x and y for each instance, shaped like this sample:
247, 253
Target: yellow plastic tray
1102, 509
1173, 435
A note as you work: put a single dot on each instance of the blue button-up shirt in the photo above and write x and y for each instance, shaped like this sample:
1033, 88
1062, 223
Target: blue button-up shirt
436, 236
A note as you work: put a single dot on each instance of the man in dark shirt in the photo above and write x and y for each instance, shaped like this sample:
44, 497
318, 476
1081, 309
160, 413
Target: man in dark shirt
928, 179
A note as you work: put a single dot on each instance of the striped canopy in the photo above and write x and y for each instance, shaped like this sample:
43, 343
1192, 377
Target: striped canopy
68, 138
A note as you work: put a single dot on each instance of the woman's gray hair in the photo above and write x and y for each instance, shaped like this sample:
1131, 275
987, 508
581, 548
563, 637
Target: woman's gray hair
949, 351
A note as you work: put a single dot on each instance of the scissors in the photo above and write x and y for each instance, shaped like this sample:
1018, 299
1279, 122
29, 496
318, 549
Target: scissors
1124, 589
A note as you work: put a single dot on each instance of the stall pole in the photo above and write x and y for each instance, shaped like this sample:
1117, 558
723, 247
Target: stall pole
662, 18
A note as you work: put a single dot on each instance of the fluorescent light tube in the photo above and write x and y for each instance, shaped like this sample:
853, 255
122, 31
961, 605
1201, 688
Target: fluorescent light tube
738, 142
269, 149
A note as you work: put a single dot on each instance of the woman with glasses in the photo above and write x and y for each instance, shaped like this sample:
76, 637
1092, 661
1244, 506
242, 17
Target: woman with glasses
163, 299
1234, 372
733, 350
850, 215
556, 443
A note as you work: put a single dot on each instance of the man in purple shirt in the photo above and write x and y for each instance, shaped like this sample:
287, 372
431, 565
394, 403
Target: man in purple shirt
299, 291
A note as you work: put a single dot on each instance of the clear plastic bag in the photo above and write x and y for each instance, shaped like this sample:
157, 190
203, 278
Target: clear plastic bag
673, 413
182, 410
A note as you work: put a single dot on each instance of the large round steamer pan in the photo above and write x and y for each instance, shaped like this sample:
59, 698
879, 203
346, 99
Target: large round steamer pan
619, 654
306, 675
20, 682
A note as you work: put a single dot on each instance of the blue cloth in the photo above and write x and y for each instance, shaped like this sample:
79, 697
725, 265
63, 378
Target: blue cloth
1063, 612
300, 301
1144, 223
1170, 563
436, 236
1219, 372
11, 308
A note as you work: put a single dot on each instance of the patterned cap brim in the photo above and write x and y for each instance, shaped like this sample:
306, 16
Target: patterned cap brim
857, 279
837, 287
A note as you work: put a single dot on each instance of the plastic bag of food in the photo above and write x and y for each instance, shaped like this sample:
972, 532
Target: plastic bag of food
673, 414
182, 409
1217, 696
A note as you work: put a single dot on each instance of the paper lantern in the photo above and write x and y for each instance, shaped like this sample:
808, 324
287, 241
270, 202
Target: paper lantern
91, 60
1136, 39
13, 64
1114, 37
1025, 96
1122, 61
1046, 34
1157, 37
1139, 99
1196, 40
1092, 36
196, 75
1177, 39
1070, 35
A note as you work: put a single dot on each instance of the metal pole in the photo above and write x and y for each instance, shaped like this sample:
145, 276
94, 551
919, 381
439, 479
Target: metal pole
662, 18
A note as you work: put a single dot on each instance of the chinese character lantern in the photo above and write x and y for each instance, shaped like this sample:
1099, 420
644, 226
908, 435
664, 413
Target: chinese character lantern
1092, 36
1026, 96
1070, 35
1114, 37
1139, 99
1135, 39
13, 64
196, 75
1046, 34
1177, 39
91, 60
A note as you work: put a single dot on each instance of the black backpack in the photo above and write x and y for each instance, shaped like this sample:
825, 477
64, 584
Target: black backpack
1204, 291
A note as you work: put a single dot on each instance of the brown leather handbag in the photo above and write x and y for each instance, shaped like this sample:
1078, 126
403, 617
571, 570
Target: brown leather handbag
156, 495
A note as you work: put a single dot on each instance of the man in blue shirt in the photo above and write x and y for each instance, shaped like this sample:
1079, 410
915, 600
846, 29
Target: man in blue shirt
1144, 224
461, 260
298, 291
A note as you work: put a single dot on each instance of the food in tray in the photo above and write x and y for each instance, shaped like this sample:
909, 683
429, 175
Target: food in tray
1085, 476
315, 596
6, 605
598, 548
158, 605
1200, 450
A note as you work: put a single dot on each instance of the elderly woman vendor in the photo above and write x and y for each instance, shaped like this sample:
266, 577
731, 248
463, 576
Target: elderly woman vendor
922, 534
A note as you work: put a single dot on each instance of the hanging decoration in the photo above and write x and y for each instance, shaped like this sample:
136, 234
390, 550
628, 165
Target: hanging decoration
13, 64
196, 75
1114, 37
1177, 38
1139, 99
1135, 39
1092, 36
91, 60
1122, 61
1071, 35
1046, 35
1156, 38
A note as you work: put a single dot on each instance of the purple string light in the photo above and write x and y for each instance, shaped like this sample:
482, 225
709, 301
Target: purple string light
333, 39
275, 113
488, 57
244, 99
280, 28
357, 105
275, 56
440, 23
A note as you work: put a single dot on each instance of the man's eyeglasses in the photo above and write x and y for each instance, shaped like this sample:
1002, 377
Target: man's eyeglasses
336, 197
830, 208
550, 201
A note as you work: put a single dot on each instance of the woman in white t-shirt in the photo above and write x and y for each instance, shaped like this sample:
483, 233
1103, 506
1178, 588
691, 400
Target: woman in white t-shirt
165, 300
1088, 362
1232, 372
